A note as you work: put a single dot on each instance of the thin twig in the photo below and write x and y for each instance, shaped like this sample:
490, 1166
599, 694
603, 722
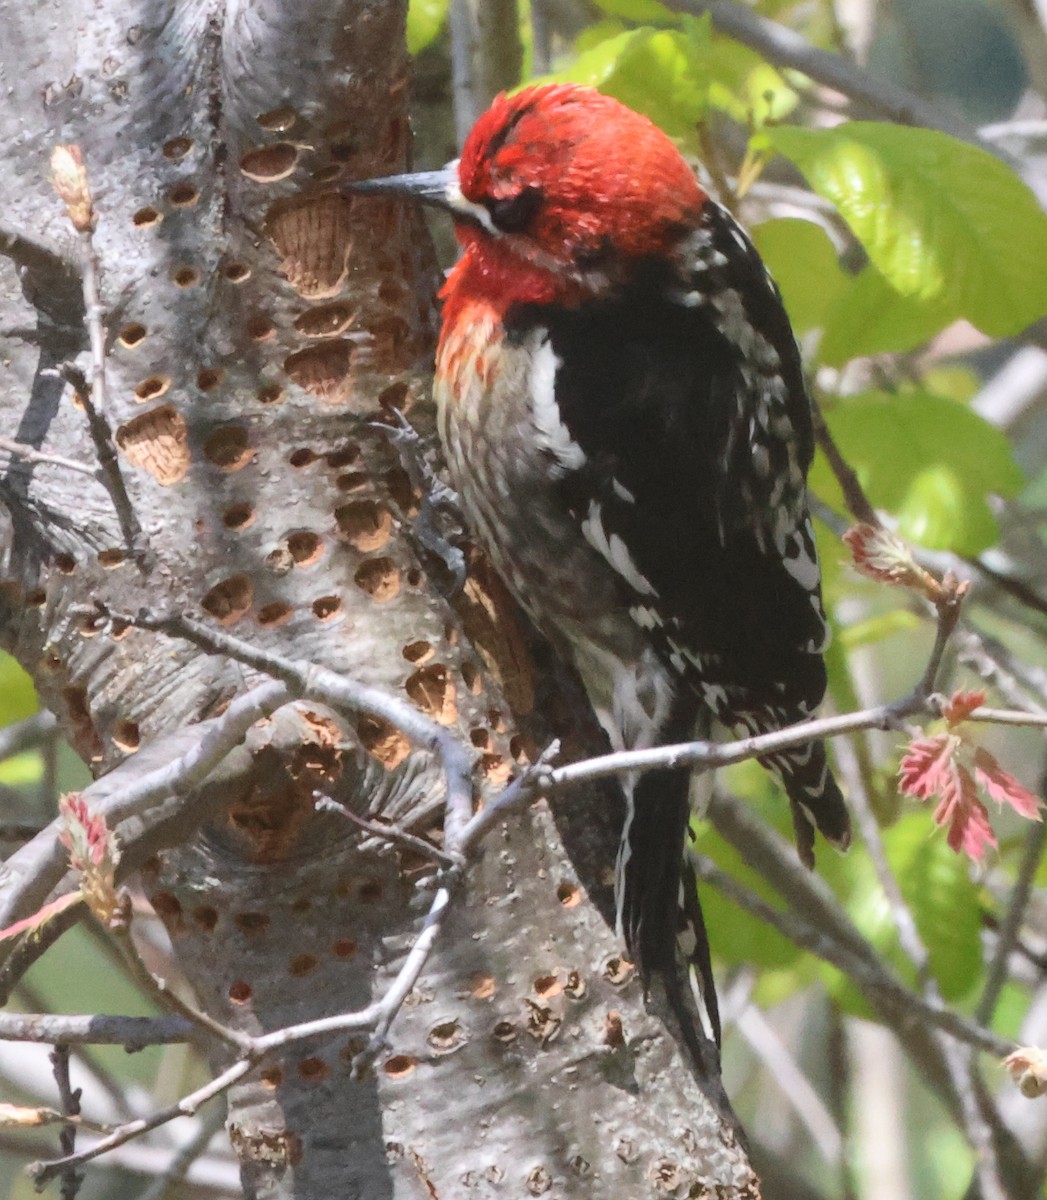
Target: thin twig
948, 609
858, 801
312, 681
96, 403
860, 964
1014, 587
385, 833
178, 1167
188, 1106
858, 503
1010, 927
34, 457
69, 1101
161, 994
961, 1065
793, 1084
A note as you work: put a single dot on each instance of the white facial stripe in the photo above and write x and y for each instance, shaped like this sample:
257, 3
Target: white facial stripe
467, 208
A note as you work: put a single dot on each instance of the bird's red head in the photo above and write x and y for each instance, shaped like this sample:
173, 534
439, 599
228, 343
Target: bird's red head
573, 184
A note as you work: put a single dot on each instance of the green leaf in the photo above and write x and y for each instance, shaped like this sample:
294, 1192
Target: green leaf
878, 628
803, 262
951, 379
425, 19
660, 73
944, 903
937, 887
746, 86
22, 770
592, 35
737, 938
871, 317
640, 11
929, 460
1011, 1010
18, 698
940, 219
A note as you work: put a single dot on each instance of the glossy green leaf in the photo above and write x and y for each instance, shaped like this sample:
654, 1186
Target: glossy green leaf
941, 220
425, 19
660, 73
803, 262
930, 461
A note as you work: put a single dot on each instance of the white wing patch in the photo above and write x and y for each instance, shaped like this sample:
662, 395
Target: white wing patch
551, 434
615, 551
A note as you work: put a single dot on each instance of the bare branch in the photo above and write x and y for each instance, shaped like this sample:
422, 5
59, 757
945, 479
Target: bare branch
311, 681
858, 961
178, 1167
133, 1033
1010, 927
385, 833
188, 1106
37, 867
69, 1099
95, 401
34, 457
26, 734
785, 48
858, 503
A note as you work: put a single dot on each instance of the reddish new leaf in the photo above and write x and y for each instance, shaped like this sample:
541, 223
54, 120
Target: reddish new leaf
41, 916
92, 851
960, 705
883, 556
1004, 788
925, 764
932, 768
964, 814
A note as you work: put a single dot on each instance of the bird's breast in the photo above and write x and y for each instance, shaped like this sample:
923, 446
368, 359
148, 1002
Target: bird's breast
510, 457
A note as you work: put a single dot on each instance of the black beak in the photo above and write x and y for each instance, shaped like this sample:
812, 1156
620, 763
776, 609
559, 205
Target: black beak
439, 188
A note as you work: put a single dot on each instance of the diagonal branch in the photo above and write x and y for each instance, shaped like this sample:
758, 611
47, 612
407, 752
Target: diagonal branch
309, 680
785, 48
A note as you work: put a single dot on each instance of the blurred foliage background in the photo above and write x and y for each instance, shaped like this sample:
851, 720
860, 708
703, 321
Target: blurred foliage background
914, 266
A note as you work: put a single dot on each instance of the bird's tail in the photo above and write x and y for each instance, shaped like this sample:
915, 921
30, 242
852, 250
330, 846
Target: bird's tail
814, 797
659, 914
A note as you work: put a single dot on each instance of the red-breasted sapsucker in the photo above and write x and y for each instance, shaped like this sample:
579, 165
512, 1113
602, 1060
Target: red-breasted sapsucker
625, 420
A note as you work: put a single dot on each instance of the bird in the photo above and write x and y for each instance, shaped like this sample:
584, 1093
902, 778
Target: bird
625, 420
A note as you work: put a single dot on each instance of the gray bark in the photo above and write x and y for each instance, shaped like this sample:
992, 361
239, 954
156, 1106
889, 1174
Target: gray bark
256, 324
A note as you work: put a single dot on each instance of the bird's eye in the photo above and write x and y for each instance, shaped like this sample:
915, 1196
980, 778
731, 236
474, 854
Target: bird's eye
512, 214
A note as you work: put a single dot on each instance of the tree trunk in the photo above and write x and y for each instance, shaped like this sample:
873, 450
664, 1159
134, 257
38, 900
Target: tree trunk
257, 331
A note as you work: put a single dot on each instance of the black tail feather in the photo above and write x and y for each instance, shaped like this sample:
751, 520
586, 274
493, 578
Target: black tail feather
660, 914
814, 797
